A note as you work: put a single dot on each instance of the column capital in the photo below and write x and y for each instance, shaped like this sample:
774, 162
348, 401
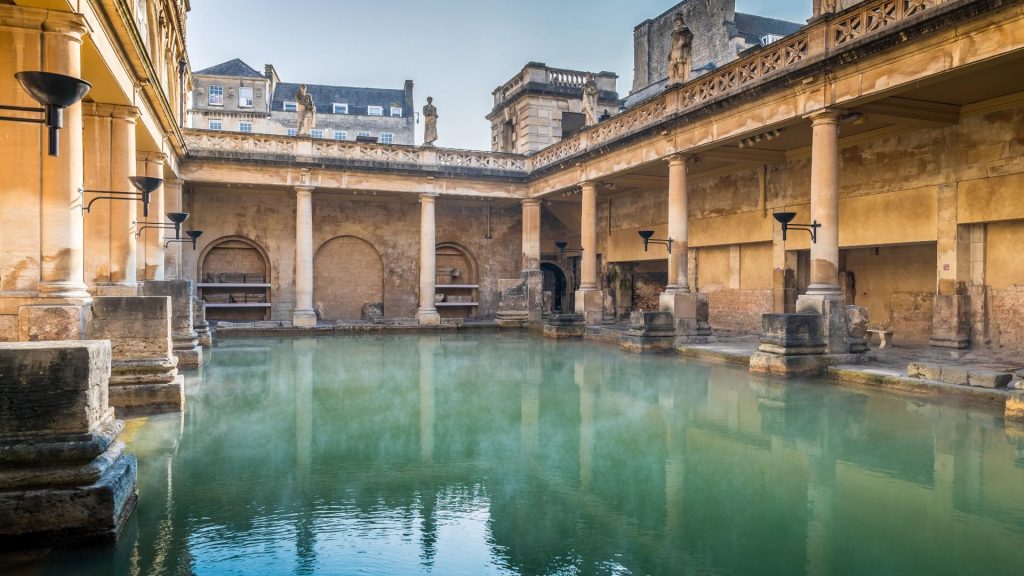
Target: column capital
680, 158
589, 184
304, 191
530, 202
129, 113
69, 23
428, 197
154, 157
825, 116
174, 185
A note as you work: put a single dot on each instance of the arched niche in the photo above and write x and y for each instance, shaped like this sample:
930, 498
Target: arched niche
347, 273
234, 280
457, 281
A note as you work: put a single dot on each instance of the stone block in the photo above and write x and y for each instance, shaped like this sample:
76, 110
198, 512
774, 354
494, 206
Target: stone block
202, 327
924, 370
64, 479
649, 332
53, 386
982, 378
789, 365
954, 375
951, 321
47, 323
372, 312
691, 313
857, 327
791, 334
144, 373
95, 512
565, 326
1016, 383
184, 339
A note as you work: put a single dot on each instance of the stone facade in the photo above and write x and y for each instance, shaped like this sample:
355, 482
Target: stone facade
232, 93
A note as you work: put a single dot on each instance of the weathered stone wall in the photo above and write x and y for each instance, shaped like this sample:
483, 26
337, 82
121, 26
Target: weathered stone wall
383, 231
738, 310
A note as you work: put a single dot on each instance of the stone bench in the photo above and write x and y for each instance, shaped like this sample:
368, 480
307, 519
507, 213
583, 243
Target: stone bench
884, 336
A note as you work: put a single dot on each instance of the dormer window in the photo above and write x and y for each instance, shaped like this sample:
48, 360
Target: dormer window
375, 110
340, 108
396, 111
291, 106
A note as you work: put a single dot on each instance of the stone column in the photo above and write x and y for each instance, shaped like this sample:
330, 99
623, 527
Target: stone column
951, 314
61, 232
589, 298
678, 224
689, 309
825, 204
172, 254
110, 258
427, 314
304, 314
152, 164
824, 295
184, 338
531, 234
531, 273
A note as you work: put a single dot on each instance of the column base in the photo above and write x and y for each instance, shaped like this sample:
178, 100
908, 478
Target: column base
155, 390
649, 332
188, 351
690, 315
304, 318
428, 318
564, 326
951, 322
590, 305
834, 327
66, 290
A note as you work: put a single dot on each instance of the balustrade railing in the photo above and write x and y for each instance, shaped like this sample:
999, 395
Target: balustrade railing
247, 145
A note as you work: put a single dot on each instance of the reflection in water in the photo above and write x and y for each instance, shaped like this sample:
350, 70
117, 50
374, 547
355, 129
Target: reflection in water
499, 454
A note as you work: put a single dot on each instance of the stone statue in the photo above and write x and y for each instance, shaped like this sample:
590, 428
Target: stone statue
590, 99
680, 58
429, 122
829, 6
305, 111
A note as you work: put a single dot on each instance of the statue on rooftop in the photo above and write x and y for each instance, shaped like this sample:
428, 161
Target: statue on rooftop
305, 111
680, 58
590, 93
429, 122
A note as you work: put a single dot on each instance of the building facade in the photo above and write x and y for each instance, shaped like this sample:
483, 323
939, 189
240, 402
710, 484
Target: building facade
235, 97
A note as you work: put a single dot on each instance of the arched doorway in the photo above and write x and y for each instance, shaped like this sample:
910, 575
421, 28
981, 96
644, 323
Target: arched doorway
554, 284
347, 273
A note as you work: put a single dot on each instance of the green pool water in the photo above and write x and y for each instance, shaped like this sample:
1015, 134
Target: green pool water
509, 454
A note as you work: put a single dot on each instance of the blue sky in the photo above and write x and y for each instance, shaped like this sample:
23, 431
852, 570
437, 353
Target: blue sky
457, 51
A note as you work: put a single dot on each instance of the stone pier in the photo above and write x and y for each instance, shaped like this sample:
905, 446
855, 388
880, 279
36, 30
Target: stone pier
565, 326
144, 371
649, 332
183, 334
201, 325
64, 476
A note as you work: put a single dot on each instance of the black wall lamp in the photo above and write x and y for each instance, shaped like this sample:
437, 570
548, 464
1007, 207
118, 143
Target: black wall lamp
562, 250
193, 235
647, 235
145, 185
786, 219
176, 218
55, 92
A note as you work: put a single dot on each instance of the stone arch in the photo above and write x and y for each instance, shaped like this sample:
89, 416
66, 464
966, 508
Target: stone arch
234, 275
455, 255
247, 256
347, 273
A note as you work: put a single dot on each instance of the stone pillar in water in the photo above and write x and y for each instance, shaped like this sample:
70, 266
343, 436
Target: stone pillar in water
184, 337
64, 476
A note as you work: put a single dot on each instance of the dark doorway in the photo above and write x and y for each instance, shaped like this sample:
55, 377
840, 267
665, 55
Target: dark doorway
554, 284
